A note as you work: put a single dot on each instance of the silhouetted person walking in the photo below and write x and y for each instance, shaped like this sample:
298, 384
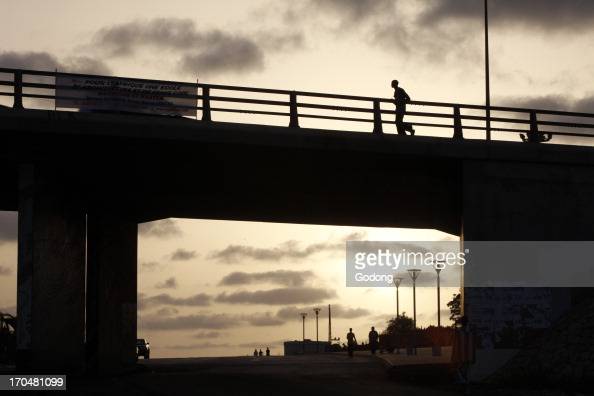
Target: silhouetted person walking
260, 353
351, 342
255, 352
401, 98
373, 340
267, 351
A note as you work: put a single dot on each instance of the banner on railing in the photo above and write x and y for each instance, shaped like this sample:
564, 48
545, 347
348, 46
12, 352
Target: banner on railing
120, 94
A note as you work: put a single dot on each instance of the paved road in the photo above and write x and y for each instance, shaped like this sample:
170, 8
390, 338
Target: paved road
326, 375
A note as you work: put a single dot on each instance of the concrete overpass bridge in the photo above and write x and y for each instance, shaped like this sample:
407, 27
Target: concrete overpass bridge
82, 181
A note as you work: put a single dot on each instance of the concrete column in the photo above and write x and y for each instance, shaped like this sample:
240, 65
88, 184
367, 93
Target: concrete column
521, 201
51, 272
111, 292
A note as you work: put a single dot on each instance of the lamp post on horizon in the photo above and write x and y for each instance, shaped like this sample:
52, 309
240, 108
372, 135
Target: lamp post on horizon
436, 265
317, 311
397, 282
414, 274
487, 82
303, 315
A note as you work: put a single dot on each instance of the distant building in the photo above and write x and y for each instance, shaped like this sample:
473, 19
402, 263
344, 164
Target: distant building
305, 347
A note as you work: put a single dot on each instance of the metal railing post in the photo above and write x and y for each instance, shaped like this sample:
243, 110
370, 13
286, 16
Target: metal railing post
458, 134
377, 118
206, 104
18, 90
294, 115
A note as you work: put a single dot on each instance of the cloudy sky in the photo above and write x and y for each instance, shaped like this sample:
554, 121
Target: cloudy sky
218, 288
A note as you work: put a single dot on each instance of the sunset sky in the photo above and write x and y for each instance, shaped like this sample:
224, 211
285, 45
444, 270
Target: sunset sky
222, 288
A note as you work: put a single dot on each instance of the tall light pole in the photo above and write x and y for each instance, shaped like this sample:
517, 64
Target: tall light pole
397, 282
438, 269
317, 311
414, 274
303, 315
487, 85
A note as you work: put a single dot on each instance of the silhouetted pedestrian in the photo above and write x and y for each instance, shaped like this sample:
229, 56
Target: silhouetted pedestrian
373, 340
255, 352
267, 351
351, 342
401, 98
260, 353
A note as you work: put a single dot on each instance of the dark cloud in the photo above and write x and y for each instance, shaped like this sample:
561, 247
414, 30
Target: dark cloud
9, 226
170, 283
550, 102
197, 300
47, 61
262, 320
348, 13
338, 311
162, 229
167, 311
190, 322
224, 53
291, 250
207, 335
202, 52
280, 277
547, 15
290, 295
5, 271
201, 345
183, 255
149, 266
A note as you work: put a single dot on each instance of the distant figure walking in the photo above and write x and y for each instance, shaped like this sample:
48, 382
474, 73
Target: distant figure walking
373, 340
351, 342
260, 353
401, 98
267, 351
255, 352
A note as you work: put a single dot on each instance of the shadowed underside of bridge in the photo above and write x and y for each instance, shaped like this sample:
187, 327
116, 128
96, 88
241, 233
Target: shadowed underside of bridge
82, 182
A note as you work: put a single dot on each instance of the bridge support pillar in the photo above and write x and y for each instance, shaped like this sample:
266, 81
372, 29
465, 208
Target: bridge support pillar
111, 292
520, 201
51, 272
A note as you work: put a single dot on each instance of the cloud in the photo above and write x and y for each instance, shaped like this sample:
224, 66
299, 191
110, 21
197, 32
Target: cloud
201, 345
550, 102
338, 311
281, 277
207, 334
348, 13
167, 311
546, 15
9, 224
264, 319
170, 283
291, 250
162, 229
202, 51
5, 271
197, 300
47, 61
290, 295
190, 322
183, 255
149, 266
9, 310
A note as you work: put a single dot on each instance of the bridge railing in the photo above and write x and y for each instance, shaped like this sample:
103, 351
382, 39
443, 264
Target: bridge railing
455, 120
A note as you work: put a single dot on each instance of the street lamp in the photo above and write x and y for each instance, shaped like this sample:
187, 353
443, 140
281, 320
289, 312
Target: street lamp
397, 282
317, 311
414, 274
303, 315
438, 268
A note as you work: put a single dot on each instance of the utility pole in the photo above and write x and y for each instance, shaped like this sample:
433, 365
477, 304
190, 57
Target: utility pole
303, 315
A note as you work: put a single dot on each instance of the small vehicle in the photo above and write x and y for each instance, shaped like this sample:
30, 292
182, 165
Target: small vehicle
143, 348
